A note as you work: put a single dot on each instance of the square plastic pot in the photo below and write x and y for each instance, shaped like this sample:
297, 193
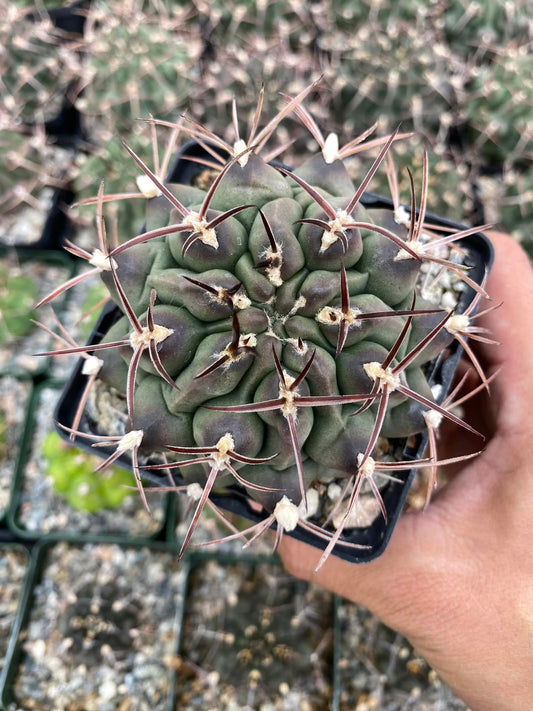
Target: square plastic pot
14, 572
265, 637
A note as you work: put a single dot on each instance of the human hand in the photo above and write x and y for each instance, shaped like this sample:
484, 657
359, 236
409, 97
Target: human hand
457, 579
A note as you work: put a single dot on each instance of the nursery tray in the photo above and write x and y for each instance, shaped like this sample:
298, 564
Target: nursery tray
263, 620
234, 498
40, 560
11, 617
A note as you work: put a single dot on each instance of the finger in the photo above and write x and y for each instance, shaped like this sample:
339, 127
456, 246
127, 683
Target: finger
454, 441
397, 586
510, 282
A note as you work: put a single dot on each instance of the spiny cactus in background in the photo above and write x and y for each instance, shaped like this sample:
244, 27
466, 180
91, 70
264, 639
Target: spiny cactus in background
508, 201
497, 109
37, 63
137, 62
272, 331
31, 169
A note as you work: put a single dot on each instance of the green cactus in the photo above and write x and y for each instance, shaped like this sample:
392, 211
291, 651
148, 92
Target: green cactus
273, 329
74, 478
135, 64
37, 62
17, 298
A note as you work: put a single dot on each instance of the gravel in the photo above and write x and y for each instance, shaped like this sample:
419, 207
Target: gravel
102, 632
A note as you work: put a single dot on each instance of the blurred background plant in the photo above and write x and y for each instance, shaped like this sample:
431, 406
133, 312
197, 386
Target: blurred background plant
39, 62
458, 73
18, 294
73, 474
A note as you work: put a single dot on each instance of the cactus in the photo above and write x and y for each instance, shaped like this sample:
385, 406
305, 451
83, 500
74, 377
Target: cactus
75, 479
272, 331
17, 297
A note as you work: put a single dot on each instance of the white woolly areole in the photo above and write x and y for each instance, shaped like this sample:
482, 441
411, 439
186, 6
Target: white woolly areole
369, 465
433, 419
289, 408
220, 459
330, 235
246, 340
194, 491
331, 316
241, 301
101, 261
313, 501
414, 246
286, 514
274, 275
238, 147
225, 443
384, 375
457, 324
91, 365
330, 151
147, 186
131, 440
199, 224
401, 216
158, 334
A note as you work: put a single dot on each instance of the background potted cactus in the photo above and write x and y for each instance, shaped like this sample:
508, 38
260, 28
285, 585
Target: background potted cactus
273, 336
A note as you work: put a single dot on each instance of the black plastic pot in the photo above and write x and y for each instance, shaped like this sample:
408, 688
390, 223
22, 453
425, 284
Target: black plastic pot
69, 19
58, 226
235, 499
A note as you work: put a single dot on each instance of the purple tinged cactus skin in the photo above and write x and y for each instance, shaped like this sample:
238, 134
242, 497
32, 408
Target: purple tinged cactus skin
291, 335
285, 293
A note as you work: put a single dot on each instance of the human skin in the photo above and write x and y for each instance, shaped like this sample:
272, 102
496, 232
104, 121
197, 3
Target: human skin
457, 579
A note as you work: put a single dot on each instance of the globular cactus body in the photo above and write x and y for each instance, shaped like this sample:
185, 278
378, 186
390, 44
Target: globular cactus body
286, 296
273, 328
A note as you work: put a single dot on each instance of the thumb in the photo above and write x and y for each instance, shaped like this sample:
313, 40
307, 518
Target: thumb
395, 586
